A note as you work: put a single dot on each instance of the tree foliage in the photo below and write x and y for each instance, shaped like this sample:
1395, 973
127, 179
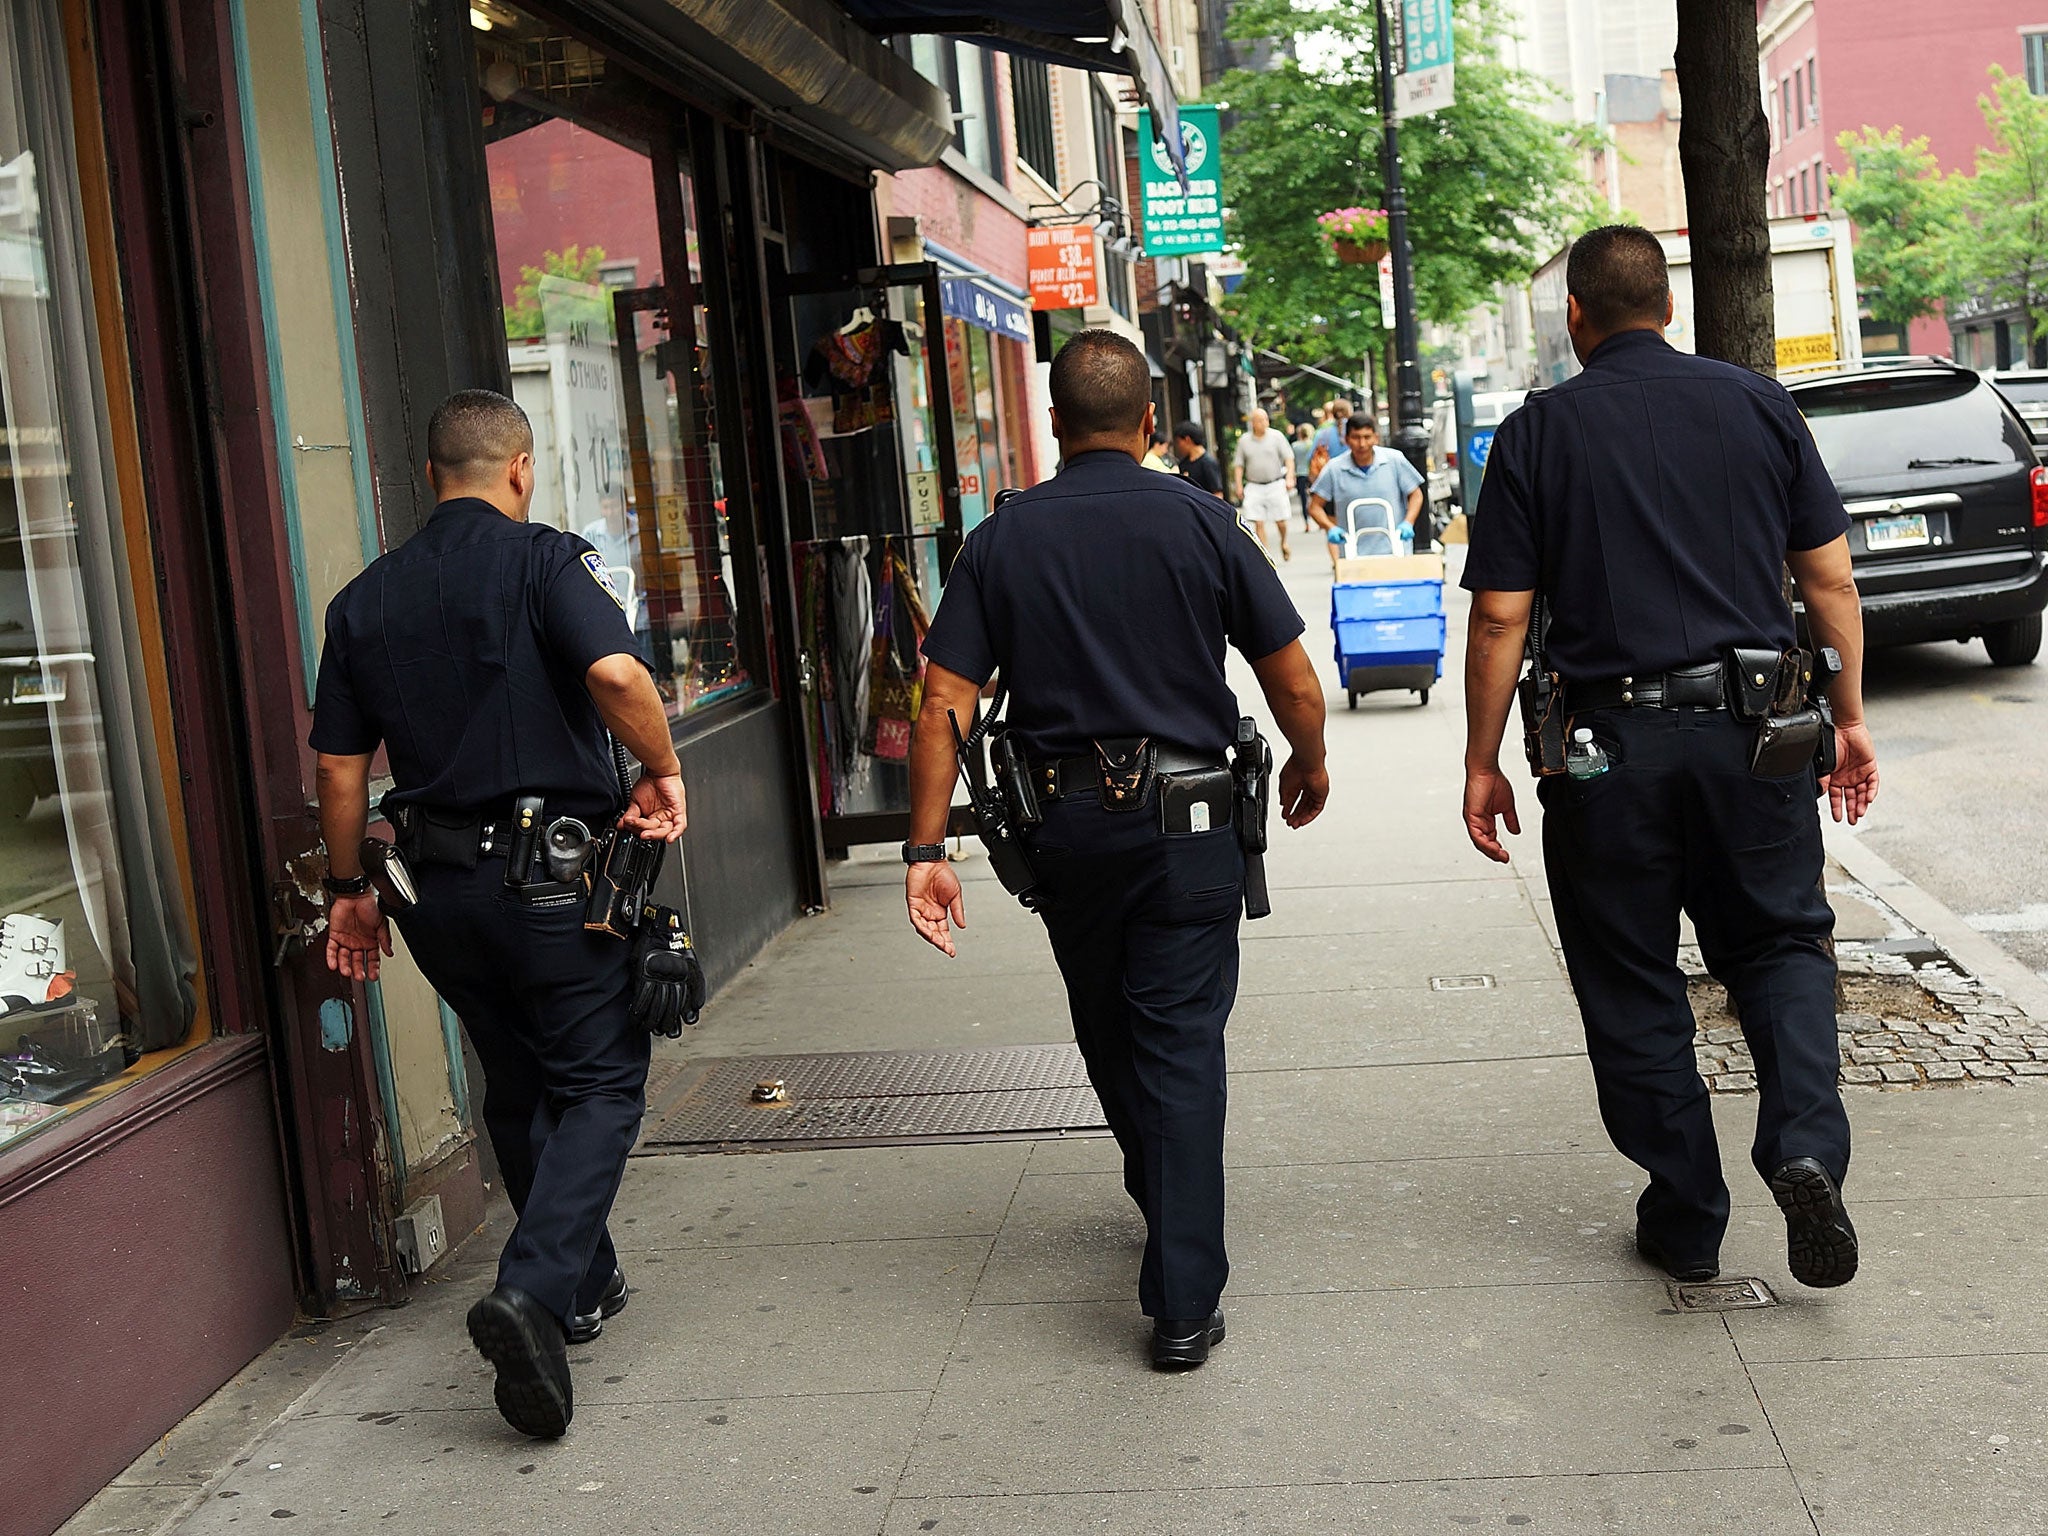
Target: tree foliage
1493, 187
578, 264
1996, 244
1894, 193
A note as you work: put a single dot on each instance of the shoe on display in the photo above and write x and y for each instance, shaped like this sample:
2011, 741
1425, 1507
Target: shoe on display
33, 970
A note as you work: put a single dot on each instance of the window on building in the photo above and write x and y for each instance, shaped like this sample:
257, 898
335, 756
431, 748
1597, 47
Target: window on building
1795, 112
1806, 191
1820, 186
1031, 103
1813, 90
2036, 45
967, 73
1109, 167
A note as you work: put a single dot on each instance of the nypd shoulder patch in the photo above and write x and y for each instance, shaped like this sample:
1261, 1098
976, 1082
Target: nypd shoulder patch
593, 562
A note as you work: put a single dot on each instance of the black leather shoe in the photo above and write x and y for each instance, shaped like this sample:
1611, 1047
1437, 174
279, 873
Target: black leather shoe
582, 1327
1181, 1344
1684, 1271
523, 1342
1820, 1244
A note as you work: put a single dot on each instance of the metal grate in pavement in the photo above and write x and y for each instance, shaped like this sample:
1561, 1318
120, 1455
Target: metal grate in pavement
1721, 1295
873, 1098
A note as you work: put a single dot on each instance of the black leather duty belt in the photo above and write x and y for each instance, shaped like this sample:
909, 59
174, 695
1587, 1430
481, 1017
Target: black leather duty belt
1058, 778
1687, 688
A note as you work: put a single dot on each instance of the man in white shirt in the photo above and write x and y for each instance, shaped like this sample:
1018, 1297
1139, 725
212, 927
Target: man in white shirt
1262, 472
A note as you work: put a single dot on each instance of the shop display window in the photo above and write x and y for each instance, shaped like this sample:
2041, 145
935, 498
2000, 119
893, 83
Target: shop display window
606, 336
96, 961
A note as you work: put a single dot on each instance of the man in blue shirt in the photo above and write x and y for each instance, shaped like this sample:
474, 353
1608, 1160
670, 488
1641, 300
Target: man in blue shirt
1368, 470
1330, 435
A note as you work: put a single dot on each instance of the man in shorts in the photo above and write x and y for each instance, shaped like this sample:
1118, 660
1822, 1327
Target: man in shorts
1262, 473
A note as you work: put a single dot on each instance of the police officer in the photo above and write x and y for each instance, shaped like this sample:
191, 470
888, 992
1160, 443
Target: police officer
1105, 598
489, 655
1652, 502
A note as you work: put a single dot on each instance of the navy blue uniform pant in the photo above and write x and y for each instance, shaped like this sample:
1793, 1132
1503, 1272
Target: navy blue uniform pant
1144, 926
1680, 823
565, 1071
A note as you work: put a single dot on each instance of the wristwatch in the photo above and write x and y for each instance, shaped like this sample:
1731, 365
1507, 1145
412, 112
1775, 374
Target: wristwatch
353, 885
924, 853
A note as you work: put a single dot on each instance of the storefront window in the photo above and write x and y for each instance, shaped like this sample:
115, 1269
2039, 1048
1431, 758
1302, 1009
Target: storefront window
607, 340
95, 959
987, 371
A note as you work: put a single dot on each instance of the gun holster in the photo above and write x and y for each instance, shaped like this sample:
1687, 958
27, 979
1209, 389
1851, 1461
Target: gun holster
1002, 811
1251, 772
620, 883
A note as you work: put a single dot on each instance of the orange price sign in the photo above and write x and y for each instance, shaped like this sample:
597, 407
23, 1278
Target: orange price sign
1063, 271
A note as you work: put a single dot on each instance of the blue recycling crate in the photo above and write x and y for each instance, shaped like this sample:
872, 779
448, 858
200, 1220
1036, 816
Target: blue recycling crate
1390, 635
1386, 600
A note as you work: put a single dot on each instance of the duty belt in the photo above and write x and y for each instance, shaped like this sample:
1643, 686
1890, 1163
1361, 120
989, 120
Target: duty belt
1056, 778
1687, 688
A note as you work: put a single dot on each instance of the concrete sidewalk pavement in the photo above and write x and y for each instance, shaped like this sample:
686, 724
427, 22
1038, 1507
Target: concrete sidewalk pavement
1437, 1322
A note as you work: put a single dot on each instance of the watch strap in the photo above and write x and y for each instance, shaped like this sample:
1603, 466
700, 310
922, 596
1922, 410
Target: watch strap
924, 853
352, 885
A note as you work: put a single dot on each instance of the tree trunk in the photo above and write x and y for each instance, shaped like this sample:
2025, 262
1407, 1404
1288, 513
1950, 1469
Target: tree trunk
1724, 150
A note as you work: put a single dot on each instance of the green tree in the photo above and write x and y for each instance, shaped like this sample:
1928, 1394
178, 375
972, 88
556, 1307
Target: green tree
1902, 207
579, 264
1493, 187
1997, 244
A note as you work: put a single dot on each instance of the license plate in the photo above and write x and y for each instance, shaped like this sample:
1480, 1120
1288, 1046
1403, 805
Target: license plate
1906, 532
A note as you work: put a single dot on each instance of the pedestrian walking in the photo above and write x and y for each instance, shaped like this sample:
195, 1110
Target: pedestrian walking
1104, 599
1303, 448
1159, 455
1329, 439
1644, 510
490, 656
1262, 474
1364, 470
1197, 463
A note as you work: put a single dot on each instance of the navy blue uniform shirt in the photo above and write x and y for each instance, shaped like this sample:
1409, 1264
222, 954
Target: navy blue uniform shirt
1106, 597
465, 651
1652, 499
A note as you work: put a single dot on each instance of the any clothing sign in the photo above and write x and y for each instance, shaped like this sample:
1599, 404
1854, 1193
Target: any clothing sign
1062, 267
1427, 77
1179, 223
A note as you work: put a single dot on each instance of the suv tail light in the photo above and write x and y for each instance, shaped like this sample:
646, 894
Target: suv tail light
2040, 479
1451, 462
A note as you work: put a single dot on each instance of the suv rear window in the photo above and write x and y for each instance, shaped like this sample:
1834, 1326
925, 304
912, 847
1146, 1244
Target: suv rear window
2025, 391
1878, 427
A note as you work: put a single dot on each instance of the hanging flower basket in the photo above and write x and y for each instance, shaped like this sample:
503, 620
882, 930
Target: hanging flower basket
1356, 236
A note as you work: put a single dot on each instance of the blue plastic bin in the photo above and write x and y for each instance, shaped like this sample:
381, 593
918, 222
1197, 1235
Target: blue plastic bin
1389, 634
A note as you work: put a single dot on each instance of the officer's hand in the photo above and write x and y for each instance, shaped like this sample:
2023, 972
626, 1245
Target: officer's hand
356, 932
1853, 785
1489, 798
933, 894
656, 808
1302, 792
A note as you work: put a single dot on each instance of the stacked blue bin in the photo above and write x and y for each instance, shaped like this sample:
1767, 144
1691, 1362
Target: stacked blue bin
1390, 634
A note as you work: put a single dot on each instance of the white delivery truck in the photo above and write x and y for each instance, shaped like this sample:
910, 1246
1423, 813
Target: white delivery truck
1813, 286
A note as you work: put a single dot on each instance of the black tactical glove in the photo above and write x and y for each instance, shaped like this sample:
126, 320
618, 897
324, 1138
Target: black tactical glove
668, 983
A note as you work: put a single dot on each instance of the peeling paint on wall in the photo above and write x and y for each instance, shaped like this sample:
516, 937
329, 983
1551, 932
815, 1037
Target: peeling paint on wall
337, 1024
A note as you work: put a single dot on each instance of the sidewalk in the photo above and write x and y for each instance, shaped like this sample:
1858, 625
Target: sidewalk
1437, 1323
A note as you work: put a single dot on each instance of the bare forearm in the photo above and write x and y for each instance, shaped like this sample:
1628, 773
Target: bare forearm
626, 699
933, 771
344, 789
1295, 696
1834, 614
1415, 504
1493, 664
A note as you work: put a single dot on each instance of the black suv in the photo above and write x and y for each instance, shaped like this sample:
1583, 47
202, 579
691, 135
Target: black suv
1948, 500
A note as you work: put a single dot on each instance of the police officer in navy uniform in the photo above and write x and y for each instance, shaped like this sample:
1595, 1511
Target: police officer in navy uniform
1106, 598
490, 655
1652, 501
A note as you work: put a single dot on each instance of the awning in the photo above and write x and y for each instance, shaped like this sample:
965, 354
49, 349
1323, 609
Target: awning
1108, 35
978, 304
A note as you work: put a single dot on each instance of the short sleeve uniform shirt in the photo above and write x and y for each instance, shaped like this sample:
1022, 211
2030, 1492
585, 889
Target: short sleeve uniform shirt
464, 651
1107, 596
1389, 477
1651, 499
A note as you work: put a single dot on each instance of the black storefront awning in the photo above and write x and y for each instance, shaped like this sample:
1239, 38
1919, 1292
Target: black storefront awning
1108, 35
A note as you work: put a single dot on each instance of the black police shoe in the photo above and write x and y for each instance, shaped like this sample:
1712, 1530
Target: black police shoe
1820, 1244
582, 1327
1182, 1344
523, 1341
1684, 1271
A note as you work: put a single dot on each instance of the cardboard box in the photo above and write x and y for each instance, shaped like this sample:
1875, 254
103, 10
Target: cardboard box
1391, 568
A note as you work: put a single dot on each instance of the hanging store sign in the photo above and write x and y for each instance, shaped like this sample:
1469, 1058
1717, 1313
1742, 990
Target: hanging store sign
1064, 270
1427, 78
1177, 222
964, 299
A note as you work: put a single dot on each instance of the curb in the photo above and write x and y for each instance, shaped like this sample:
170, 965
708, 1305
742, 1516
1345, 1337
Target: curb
1970, 949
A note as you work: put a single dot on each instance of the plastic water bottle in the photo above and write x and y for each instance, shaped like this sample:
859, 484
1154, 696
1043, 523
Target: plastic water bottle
1585, 758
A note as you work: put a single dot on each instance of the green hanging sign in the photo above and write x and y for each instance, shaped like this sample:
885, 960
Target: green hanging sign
1177, 222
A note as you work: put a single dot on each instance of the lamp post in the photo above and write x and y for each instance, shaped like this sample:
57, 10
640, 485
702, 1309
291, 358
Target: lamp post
1411, 437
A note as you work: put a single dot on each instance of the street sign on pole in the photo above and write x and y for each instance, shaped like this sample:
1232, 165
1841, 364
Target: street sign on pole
1180, 223
1427, 78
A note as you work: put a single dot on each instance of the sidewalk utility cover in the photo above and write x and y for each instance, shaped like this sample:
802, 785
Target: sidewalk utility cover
873, 1098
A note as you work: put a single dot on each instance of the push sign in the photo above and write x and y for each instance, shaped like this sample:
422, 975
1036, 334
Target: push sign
1178, 223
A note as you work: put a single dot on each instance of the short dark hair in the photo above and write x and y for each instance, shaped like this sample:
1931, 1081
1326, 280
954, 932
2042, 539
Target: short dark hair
1100, 384
1358, 421
1619, 276
1158, 438
1192, 431
474, 431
